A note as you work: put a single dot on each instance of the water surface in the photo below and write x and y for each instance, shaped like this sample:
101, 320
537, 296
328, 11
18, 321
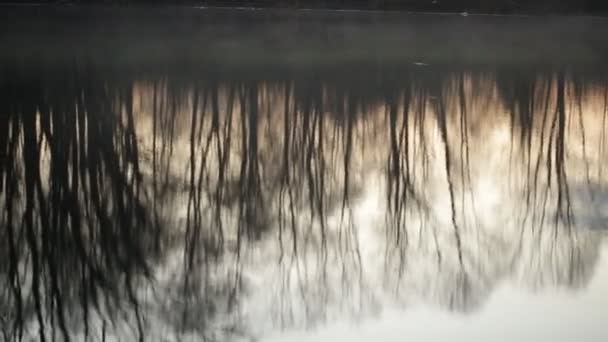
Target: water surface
170, 174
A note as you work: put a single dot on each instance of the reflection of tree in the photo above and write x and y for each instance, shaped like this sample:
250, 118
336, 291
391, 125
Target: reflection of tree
565, 249
76, 230
242, 198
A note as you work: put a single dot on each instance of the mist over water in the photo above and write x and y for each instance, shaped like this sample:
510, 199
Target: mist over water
153, 202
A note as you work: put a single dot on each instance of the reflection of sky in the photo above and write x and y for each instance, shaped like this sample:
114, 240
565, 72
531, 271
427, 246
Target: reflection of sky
478, 262
510, 314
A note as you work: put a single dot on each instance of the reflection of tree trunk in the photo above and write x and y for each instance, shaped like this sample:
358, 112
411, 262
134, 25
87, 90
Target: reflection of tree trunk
31, 158
193, 216
603, 142
465, 173
563, 194
442, 122
252, 180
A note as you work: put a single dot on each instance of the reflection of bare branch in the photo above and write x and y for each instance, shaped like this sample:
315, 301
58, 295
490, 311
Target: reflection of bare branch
79, 171
233, 195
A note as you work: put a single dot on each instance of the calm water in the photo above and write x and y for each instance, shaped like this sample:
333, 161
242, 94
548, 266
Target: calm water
173, 174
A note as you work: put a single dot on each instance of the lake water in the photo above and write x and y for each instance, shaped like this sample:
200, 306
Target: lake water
216, 175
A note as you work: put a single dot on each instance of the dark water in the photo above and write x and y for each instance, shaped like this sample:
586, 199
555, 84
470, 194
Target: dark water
301, 177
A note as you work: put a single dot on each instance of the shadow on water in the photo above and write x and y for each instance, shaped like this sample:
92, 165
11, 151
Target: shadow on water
149, 204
